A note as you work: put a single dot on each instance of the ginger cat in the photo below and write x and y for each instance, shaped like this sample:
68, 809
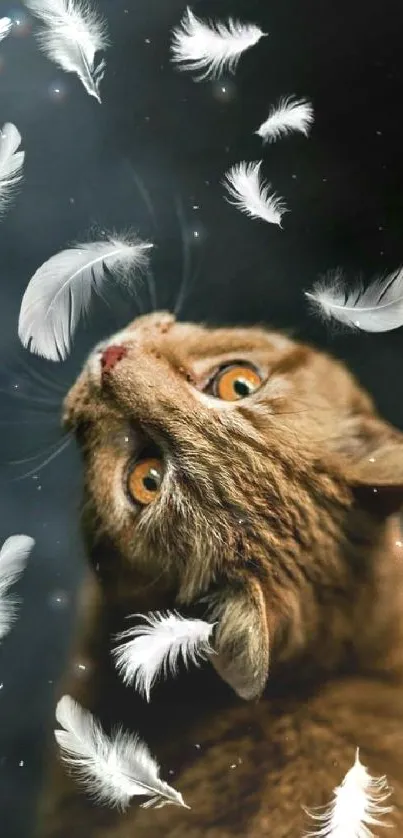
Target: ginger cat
238, 471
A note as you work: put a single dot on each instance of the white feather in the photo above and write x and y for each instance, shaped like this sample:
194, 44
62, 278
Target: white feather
289, 115
379, 308
154, 648
59, 292
210, 48
11, 163
357, 805
252, 195
72, 35
112, 769
13, 558
6, 25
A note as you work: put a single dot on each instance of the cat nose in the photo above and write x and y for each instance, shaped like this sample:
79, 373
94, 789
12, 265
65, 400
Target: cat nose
110, 357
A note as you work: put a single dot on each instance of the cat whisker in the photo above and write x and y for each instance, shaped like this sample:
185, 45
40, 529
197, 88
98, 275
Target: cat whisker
152, 290
39, 454
291, 412
137, 296
147, 200
140, 304
33, 375
33, 421
144, 194
104, 299
46, 462
186, 259
45, 393
32, 400
308, 409
153, 582
48, 382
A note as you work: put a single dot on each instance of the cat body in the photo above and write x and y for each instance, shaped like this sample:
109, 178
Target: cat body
237, 474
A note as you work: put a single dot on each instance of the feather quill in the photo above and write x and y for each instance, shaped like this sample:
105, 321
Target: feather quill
155, 648
358, 804
59, 292
287, 116
378, 308
13, 558
6, 25
73, 34
250, 194
11, 163
210, 48
112, 769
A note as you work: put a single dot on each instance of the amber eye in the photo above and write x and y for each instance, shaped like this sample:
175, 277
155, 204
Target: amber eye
236, 382
144, 480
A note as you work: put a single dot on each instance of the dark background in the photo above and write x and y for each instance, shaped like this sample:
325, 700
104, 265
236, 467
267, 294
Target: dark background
151, 158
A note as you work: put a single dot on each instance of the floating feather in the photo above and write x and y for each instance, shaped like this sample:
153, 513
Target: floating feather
358, 804
13, 558
252, 195
154, 648
11, 163
211, 48
288, 116
73, 33
6, 25
379, 308
59, 292
112, 769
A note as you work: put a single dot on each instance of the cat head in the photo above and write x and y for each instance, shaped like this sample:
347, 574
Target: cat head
235, 468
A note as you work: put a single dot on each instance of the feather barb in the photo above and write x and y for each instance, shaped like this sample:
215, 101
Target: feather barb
288, 115
73, 33
250, 194
378, 308
155, 647
359, 803
113, 769
59, 292
6, 26
11, 163
210, 48
13, 558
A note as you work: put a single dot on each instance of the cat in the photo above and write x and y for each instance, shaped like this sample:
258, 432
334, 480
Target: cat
236, 472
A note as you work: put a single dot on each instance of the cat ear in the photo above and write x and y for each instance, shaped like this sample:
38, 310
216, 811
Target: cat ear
241, 639
374, 464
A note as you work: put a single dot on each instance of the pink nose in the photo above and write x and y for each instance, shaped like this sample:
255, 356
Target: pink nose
110, 357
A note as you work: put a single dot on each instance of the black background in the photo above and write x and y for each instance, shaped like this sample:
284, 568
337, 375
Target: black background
151, 158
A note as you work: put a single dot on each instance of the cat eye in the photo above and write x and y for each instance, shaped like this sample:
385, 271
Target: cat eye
236, 382
144, 480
